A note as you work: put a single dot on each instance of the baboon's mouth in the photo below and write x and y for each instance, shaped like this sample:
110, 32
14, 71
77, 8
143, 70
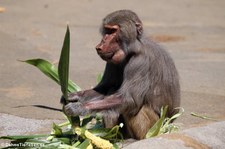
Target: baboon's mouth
106, 56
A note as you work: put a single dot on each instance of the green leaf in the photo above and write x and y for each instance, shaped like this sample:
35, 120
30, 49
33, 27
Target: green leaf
99, 77
64, 146
115, 146
86, 120
100, 132
67, 123
181, 111
154, 131
108, 133
203, 116
52, 145
46, 67
51, 71
84, 144
65, 140
76, 143
114, 134
63, 67
36, 141
23, 137
57, 131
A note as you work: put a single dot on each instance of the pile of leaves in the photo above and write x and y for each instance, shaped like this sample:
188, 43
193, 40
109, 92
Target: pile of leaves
79, 132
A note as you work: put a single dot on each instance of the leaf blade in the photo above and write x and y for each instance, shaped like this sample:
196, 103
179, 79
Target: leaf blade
155, 130
51, 71
63, 67
17, 137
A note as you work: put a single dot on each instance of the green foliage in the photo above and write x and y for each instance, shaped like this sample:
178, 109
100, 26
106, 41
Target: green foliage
51, 71
65, 136
164, 125
63, 67
84, 144
23, 137
203, 116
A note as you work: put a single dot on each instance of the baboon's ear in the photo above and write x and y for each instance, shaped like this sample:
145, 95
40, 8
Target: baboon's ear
139, 29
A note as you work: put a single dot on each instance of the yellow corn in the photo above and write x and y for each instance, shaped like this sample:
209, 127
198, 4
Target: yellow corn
99, 142
90, 146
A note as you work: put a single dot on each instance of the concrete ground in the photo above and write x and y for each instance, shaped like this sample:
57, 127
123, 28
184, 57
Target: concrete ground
192, 31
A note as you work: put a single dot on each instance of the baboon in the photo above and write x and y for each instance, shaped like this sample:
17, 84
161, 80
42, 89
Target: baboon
139, 78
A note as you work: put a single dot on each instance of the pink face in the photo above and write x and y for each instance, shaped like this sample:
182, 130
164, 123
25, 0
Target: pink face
109, 49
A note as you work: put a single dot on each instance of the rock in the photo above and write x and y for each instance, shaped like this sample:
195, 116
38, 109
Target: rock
205, 137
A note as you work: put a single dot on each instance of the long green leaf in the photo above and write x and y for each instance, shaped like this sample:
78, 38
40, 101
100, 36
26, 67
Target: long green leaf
84, 144
154, 131
51, 71
169, 127
63, 67
181, 111
46, 67
23, 137
202, 116
63, 71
